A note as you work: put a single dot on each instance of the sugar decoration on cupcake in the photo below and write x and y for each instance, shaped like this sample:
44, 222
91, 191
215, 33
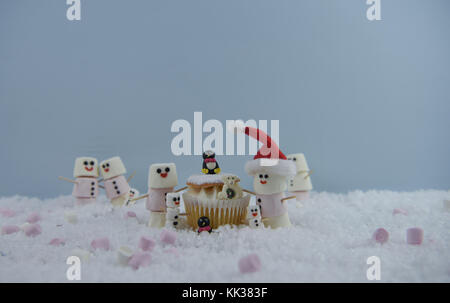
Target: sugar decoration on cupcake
210, 165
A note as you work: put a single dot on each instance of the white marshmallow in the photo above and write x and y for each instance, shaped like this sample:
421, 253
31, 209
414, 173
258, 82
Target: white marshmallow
124, 255
85, 167
162, 175
173, 218
265, 183
300, 161
254, 216
112, 167
133, 193
173, 200
301, 182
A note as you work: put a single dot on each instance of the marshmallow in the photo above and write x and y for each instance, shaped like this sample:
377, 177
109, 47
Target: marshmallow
162, 175
249, 264
254, 217
57, 242
10, 229
33, 218
168, 236
173, 217
266, 183
112, 167
398, 211
7, 213
173, 200
381, 235
130, 214
414, 236
32, 230
139, 260
100, 243
85, 167
133, 193
299, 161
124, 255
71, 217
146, 244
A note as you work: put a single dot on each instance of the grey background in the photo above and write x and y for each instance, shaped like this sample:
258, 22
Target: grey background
367, 102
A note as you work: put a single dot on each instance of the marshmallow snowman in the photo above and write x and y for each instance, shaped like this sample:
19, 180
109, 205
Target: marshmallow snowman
173, 210
133, 193
85, 172
300, 184
162, 178
254, 217
267, 183
116, 186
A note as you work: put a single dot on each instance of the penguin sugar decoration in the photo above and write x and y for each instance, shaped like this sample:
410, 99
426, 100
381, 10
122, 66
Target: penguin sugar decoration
210, 165
204, 225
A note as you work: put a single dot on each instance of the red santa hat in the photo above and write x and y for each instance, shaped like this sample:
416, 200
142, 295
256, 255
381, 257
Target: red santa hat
269, 157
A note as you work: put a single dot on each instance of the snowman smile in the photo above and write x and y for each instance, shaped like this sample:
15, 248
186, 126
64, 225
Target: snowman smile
263, 181
254, 214
163, 175
106, 169
88, 168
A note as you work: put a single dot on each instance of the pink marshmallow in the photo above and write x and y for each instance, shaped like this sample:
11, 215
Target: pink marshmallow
168, 236
33, 218
10, 229
249, 264
100, 243
7, 213
32, 230
414, 236
173, 251
399, 211
146, 244
57, 242
139, 260
381, 236
130, 214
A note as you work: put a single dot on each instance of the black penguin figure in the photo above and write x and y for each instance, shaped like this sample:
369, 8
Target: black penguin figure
210, 165
204, 225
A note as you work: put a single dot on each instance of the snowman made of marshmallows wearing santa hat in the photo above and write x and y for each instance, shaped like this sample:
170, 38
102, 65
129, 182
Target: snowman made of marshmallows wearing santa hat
270, 170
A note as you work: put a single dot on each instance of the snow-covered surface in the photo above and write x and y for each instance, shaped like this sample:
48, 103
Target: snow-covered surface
206, 179
330, 242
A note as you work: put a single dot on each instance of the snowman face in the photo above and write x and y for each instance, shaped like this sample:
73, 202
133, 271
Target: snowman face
253, 212
133, 193
173, 200
85, 167
162, 175
266, 183
300, 162
112, 167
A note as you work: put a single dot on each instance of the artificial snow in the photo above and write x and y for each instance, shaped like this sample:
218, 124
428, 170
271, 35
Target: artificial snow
330, 242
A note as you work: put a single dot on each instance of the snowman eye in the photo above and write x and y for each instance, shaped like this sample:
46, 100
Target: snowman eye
178, 199
86, 163
266, 176
159, 170
295, 159
260, 176
107, 164
167, 169
103, 166
92, 163
174, 199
